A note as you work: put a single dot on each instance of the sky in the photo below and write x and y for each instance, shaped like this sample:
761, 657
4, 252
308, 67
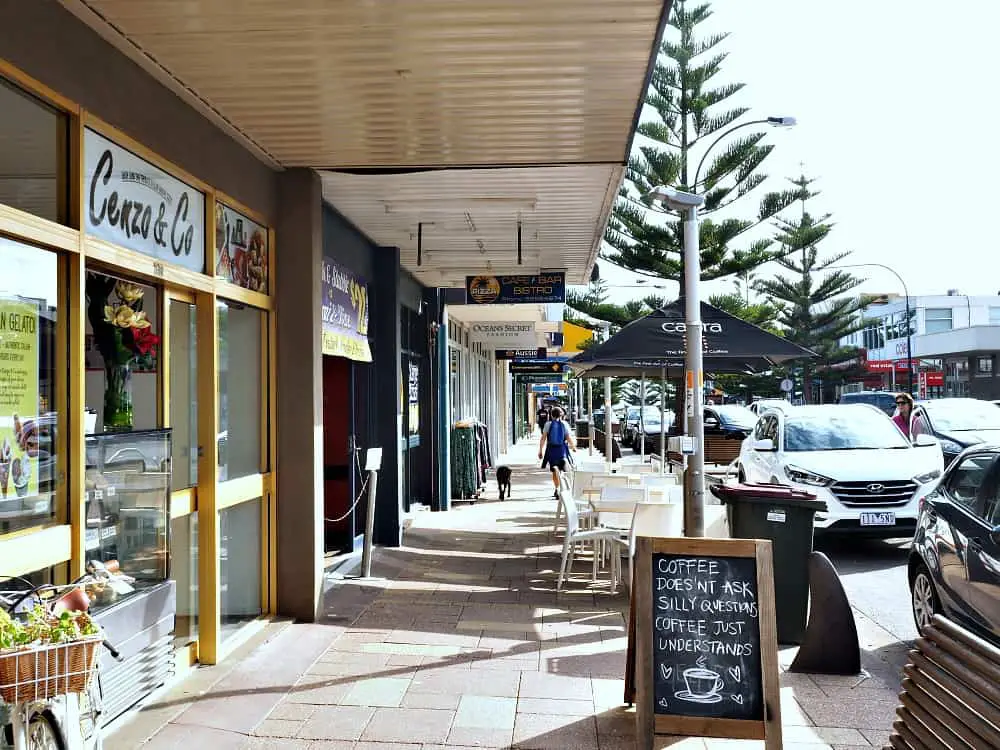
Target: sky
896, 122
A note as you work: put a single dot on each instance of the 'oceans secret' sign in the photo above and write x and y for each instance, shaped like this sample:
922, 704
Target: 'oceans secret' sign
133, 203
505, 335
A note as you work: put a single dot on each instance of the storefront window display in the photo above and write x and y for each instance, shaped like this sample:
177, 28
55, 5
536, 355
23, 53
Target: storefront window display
29, 379
122, 354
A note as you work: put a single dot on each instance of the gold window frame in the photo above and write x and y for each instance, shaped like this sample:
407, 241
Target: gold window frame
62, 541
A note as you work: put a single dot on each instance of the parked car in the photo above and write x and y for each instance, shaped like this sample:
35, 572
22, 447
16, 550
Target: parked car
957, 423
759, 406
953, 568
728, 420
884, 400
852, 457
630, 426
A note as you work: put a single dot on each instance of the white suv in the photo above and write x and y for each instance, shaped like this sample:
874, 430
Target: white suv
851, 456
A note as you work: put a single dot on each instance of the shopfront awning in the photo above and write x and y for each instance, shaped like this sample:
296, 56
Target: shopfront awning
454, 120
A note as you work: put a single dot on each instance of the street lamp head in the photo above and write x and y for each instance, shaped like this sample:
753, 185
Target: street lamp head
678, 200
782, 122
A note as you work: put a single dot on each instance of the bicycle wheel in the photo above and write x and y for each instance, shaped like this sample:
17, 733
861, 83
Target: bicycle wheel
43, 733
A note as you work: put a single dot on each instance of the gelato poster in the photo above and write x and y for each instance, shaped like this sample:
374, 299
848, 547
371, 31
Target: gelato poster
345, 313
240, 250
18, 399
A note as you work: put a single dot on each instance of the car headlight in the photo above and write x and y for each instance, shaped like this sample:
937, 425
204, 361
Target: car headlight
925, 478
950, 446
801, 476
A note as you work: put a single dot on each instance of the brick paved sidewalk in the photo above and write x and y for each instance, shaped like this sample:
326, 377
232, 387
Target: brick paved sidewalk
466, 644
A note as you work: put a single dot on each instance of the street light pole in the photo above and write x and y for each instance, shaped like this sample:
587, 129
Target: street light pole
909, 330
694, 495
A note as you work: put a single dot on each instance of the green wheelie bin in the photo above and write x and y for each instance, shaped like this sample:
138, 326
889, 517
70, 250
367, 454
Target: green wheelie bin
785, 516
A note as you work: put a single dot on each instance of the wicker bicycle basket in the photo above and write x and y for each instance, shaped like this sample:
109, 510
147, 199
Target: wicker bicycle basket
45, 671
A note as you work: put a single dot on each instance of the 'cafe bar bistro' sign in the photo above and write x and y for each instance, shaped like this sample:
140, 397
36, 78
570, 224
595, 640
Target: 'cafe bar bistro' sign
540, 288
133, 203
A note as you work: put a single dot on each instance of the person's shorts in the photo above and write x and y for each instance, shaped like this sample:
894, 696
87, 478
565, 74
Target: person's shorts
559, 464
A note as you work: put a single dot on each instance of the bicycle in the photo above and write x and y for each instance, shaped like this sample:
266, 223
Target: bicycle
48, 711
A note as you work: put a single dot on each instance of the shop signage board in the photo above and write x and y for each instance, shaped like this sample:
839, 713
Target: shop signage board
537, 366
705, 655
137, 205
515, 335
241, 251
540, 288
550, 388
345, 313
540, 378
19, 392
413, 397
538, 353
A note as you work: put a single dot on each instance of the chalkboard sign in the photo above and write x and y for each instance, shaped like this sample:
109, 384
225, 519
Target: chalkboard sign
706, 637
705, 653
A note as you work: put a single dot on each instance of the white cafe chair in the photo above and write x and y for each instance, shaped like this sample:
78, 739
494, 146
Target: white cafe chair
575, 535
649, 519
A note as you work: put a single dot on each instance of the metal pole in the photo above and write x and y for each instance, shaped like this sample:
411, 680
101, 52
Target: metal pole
590, 416
909, 338
607, 424
366, 551
663, 418
642, 421
694, 500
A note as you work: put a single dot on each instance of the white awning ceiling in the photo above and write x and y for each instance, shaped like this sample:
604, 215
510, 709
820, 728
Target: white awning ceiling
547, 90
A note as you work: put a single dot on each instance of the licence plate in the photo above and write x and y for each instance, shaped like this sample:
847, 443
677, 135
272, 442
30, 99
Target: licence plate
878, 519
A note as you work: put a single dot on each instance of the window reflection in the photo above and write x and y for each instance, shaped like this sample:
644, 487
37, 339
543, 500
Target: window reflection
32, 149
240, 401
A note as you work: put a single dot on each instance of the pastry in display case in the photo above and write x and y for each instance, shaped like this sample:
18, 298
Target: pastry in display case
127, 505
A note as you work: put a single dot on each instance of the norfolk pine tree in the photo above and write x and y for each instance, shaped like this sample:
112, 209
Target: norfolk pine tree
816, 310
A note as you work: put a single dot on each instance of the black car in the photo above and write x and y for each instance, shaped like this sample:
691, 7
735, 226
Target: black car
731, 421
954, 566
957, 423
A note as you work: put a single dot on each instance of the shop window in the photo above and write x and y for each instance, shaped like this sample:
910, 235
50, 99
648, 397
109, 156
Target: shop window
937, 319
122, 355
33, 138
184, 570
241, 403
29, 379
240, 568
184, 394
984, 366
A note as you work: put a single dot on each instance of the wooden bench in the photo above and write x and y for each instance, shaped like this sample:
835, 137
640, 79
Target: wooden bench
950, 695
718, 450
600, 443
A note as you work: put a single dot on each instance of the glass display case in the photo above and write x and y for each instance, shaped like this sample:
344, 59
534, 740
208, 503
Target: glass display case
128, 506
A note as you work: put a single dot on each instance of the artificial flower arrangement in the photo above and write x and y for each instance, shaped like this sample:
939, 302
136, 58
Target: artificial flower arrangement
124, 338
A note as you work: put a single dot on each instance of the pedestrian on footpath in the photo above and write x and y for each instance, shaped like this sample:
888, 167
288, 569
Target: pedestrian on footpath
555, 445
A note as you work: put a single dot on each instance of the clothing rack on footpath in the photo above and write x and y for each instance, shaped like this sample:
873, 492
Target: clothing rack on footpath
471, 457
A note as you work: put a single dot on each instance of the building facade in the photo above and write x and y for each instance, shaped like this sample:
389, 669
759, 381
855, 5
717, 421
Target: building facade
954, 339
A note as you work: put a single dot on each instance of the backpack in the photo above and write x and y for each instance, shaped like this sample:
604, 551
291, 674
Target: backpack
557, 432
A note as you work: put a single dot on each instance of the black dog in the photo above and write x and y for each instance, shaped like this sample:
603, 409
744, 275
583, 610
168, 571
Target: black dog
503, 481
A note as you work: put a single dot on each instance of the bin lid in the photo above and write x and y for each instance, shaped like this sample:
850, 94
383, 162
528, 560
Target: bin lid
771, 494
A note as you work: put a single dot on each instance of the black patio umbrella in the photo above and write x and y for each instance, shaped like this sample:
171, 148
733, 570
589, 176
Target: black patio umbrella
656, 343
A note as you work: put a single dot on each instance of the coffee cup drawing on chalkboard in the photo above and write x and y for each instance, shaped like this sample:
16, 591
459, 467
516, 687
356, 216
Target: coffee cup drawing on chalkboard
702, 686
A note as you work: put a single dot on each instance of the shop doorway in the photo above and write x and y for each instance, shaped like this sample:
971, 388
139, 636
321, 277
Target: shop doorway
337, 455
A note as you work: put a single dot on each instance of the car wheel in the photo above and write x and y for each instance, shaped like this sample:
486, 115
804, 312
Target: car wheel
924, 598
